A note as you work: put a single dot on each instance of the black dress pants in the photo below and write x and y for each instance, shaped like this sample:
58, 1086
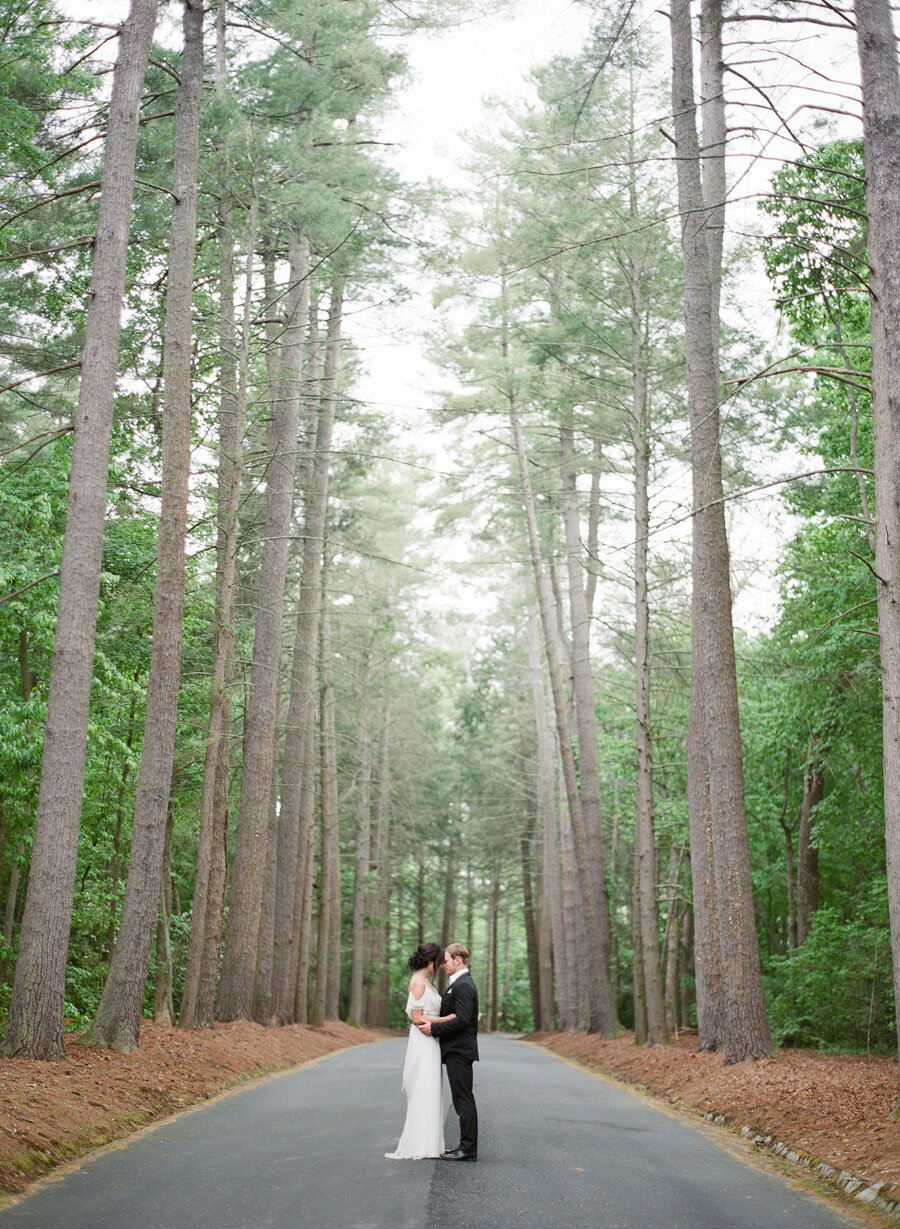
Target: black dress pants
459, 1074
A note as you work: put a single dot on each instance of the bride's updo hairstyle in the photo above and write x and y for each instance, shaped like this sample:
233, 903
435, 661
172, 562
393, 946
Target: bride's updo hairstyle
424, 955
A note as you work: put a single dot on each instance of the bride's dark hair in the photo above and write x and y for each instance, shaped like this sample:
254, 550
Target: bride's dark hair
424, 955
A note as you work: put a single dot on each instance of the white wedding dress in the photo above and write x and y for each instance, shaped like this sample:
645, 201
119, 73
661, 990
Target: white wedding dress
423, 1131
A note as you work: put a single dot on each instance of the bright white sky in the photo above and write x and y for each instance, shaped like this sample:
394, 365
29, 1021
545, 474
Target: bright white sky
452, 73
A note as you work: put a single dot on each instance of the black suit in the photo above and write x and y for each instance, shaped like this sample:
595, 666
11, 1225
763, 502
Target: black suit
459, 1049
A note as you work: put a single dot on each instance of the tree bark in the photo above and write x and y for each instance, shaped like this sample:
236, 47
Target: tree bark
36, 1010
637, 960
672, 938
209, 879
644, 840
265, 943
379, 907
551, 949
492, 951
715, 730
118, 1021
297, 820
585, 718
355, 1009
527, 841
328, 968
162, 981
235, 995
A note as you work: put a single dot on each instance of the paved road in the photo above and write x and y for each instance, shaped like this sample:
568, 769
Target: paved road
559, 1150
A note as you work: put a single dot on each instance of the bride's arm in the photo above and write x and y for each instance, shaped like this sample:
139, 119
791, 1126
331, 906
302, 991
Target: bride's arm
417, 990
439, 1019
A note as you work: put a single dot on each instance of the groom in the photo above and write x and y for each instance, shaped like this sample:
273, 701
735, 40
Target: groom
459, 1047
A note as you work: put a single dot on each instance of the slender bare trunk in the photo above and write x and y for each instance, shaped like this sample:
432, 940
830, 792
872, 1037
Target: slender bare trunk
637, 960
603, 1014
325, 946
578, 1017
381, 902
363, 844
585, 719
593, 530
550, 937
235, 995
163, 1012
644, 841
527, 841
746, 1032
36, 1010
297, 820
265, 943
672, 937
207, 912
328, 969
118, 1020
687, 944
493, 954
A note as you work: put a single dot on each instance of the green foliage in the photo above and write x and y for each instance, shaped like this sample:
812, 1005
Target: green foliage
836, 992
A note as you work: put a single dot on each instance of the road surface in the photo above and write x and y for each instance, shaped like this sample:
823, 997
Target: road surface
559, 1149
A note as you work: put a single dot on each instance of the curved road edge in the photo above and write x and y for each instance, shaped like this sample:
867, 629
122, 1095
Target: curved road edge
797, 1167
59, 1168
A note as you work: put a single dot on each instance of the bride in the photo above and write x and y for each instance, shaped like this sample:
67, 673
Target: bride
423, 1130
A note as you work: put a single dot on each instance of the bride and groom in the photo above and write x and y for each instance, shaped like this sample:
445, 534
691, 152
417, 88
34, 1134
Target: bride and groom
444, 1030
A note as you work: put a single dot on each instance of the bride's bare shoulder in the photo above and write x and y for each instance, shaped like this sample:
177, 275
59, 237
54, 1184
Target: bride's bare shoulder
417, 984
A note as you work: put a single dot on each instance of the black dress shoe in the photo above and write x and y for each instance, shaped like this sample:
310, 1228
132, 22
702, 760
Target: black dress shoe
458, 1154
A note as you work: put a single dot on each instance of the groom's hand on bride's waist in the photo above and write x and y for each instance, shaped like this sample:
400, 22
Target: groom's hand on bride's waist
425, 1027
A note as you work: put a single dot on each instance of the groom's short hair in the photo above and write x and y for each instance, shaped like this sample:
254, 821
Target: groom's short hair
458, 949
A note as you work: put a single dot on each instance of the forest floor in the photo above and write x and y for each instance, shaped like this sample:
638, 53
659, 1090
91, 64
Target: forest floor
833, 1107
52, 1112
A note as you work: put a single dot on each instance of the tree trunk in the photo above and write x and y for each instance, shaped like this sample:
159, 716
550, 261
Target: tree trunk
644, 841
575, 936
305, 917
376, 948
586, 722
602, 1006
118, 1020
637, 960
527, 841
162, 982
265, 943
207, 911
36, 1010
593, 531
235, 996
492, 951
687, 942
363, 843
298, 812
672, 938
330, 849
807, 853
715, 730
550, 937
328, 970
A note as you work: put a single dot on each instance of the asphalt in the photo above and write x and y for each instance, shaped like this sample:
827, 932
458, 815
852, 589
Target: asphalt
559, 1148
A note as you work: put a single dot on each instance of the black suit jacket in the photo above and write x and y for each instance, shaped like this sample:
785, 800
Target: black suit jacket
459, 1037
